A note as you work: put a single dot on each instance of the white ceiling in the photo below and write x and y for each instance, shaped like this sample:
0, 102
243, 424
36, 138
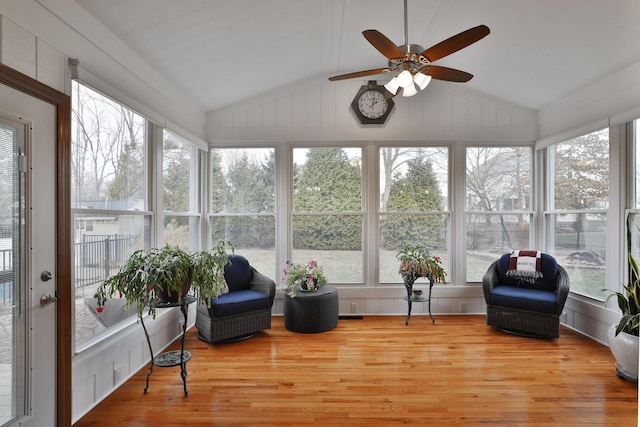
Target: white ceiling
223, 51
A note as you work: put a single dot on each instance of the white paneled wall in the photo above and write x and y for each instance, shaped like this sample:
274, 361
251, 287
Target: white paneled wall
31, 56
319, 110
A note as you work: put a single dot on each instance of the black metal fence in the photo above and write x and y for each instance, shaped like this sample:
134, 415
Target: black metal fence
99, 256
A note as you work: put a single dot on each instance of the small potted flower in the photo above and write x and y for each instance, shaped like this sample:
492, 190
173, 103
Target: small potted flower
307, 278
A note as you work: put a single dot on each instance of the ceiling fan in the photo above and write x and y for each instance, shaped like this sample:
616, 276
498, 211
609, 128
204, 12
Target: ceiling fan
414, 63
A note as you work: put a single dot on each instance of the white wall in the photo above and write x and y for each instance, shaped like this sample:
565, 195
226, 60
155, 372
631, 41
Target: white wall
319, 110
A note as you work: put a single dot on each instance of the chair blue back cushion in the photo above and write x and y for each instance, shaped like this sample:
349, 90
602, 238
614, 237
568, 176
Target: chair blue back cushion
241, 298
237, 273
548, 268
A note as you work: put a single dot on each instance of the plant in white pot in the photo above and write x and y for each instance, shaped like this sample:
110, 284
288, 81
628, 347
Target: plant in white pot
623, 337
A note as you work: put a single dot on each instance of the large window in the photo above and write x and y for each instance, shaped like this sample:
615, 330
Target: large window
576, 217
327, 218
180, 192
242, 208
498, 205
413, 204
109, 200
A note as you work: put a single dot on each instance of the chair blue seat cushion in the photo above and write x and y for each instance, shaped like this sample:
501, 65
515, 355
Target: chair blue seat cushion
543, 301
238, 302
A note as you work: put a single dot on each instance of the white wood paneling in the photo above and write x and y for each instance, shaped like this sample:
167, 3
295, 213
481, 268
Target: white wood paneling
93, 369
51, 66
18, 48
319, 110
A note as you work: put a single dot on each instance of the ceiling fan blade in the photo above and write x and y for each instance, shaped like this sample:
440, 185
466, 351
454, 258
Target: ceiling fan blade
383, 44
359, 74
446, 73
455, 43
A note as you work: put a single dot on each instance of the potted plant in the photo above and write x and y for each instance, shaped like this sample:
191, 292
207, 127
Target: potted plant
416, 261
208, 271
155, 276
623, 338
306, 277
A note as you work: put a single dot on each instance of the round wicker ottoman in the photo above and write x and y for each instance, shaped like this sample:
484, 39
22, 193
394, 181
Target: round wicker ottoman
312, 312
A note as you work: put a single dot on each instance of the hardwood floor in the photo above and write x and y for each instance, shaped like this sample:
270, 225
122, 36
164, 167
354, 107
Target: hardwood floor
377, 372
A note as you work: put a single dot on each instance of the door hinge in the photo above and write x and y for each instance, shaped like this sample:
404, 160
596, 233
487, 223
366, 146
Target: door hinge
22, 163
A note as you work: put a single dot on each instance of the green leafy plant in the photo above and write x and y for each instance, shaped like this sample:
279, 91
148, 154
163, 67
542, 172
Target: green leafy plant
416, 261
629, 301
158, 275
208, 271
310, 275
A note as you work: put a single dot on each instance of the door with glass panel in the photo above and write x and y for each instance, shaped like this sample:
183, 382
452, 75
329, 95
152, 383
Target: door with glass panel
27, 260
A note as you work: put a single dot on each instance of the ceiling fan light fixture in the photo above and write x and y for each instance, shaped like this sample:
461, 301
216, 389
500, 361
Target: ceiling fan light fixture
405, 79
409, 90
422, 80
393, 86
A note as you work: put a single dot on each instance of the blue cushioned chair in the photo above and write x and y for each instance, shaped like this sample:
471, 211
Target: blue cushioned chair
519, 307
242, 312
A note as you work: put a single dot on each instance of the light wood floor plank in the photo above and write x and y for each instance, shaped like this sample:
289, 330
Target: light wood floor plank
377, 372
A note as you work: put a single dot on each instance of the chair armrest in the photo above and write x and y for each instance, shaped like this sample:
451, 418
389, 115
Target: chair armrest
261, 283
562, 288
489, 280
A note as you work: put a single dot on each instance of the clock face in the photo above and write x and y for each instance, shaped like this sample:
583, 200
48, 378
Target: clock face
372, 104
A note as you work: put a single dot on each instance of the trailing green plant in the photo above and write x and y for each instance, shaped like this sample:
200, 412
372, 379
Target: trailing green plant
629, 301
208, 271
416, 261
151, 276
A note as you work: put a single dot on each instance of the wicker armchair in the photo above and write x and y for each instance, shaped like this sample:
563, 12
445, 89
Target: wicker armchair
242, 312
528, 309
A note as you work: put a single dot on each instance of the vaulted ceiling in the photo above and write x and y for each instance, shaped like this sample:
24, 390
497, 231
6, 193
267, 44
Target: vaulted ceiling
220, 52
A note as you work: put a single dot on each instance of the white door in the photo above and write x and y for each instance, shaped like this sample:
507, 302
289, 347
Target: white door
27, 249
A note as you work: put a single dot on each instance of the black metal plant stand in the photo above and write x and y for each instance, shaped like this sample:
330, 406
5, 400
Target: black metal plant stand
174, 357
409, 279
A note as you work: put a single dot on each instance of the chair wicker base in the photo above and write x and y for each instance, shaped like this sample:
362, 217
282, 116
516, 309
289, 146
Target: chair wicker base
230, 327
524, 323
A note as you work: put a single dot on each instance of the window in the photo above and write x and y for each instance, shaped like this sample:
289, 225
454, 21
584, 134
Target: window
636, 168
180, 192
413, 204
242, 207
576, 218
327, 217
497, 203
109, 199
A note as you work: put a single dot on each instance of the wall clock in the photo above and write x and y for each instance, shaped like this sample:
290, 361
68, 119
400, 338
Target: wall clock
372, 104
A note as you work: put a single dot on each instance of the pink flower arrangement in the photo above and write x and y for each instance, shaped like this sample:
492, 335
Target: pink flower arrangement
307, 277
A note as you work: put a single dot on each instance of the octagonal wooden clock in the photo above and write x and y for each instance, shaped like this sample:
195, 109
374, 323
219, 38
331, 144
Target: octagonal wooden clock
372, 104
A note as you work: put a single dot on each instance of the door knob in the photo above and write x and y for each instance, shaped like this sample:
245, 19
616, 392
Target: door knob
47, 299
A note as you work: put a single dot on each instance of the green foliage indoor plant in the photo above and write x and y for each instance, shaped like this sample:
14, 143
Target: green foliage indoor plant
153, 276
623, 338
629, 302
208, 271
416, 261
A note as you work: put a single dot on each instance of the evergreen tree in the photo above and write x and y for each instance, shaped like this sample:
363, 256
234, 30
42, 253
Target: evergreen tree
329, 182
416, 192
